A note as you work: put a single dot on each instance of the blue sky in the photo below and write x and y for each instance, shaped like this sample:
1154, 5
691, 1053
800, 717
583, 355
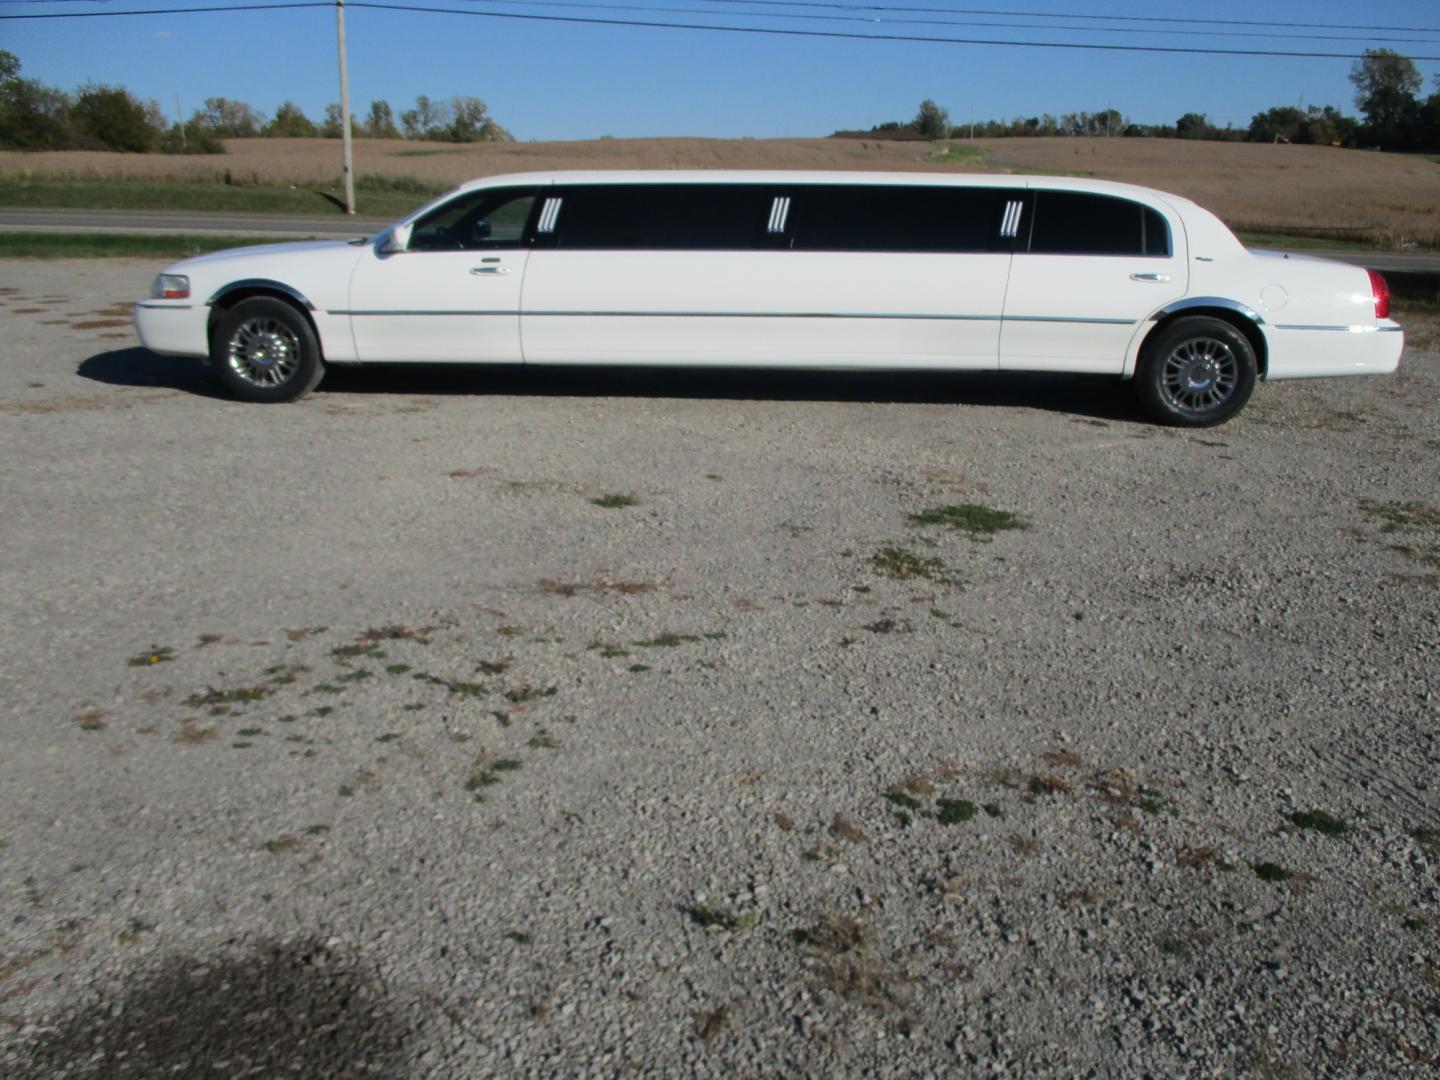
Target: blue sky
546, 80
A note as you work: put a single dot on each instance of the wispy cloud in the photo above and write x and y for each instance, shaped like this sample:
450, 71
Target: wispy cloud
162, 35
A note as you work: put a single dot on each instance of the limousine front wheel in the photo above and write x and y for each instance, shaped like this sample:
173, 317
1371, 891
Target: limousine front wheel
265, 350
1196, 372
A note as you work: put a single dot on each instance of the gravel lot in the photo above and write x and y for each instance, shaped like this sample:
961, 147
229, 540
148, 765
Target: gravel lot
354, 736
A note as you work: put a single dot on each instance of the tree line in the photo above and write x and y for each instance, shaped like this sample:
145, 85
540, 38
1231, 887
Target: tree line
1387, 89
34, 116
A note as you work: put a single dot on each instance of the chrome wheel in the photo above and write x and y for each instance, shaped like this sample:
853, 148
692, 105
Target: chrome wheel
1199, 375
263, 352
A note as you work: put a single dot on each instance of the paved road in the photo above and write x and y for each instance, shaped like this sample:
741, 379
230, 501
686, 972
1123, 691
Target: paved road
338, 225
169, 221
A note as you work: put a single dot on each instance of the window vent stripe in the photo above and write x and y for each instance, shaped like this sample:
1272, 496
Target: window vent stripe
548, 213
1010, 224
779, 212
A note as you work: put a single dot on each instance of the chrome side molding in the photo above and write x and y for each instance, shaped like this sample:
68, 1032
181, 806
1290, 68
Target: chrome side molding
260, 283
1210, 302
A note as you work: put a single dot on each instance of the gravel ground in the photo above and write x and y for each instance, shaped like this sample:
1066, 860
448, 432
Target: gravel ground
356, 737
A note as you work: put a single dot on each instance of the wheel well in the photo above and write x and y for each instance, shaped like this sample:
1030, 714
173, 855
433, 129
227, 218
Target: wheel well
221, 304
1234, 318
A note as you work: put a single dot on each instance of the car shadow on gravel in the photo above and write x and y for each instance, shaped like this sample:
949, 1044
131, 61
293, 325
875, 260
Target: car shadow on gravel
295, 1009
136, 366
1095, 397
1091, 396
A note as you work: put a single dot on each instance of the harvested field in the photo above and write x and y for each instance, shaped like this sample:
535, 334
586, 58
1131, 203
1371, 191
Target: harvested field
1386, 199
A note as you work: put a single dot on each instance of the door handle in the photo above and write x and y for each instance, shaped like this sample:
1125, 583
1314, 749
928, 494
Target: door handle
489, 270
1150, 277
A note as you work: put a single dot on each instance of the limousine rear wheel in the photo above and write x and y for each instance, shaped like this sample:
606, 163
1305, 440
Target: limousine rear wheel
1196, 372
264, 350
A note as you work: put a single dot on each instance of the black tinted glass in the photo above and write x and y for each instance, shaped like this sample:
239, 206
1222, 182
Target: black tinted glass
1069, 223
900, 219
478, 221
664, 217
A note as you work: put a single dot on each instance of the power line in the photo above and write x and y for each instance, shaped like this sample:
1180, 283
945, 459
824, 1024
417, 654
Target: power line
765, 30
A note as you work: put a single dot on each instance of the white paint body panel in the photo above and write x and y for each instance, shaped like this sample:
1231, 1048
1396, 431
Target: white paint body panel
796, 309
437, 306
771, 308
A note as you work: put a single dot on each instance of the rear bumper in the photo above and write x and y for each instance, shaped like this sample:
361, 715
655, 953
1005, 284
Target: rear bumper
172, 329
1302, 352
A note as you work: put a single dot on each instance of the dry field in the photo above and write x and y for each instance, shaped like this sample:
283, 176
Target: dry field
1391, 199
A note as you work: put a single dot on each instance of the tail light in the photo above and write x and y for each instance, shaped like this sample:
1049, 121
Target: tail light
1381, 292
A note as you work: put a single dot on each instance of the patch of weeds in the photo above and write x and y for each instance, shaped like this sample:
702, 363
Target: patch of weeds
667, 641
954, 811
543, 740
1174, 946
616, 500
1402, 516
507, 765
328, 688
903, 565
316, 830
349, 652
993, 810
134, 930
509, 631
250, 732
305, 632
936, 613
1428, 839
388, 737
1269, 871
414, 706
706, 916
977, 521
796, 531
1417, 923
91, 720
282, 844
709, 1025
517, 937
845, 829
396, 669
607, 649
501, 718
358, 675
887, 625
1045, 784
1024, 846
521, 694
783, 821
205, 640
241, 745
191, 732
820, 853
1319, 821
321, 710
637, 669
860, 588
156, 654
901, 798
285, 674
1193, 858
233, 696
398, 633
847, 964
493, 667
346, 790
1062, 759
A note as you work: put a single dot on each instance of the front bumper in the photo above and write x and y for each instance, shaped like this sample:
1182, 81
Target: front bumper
173, 329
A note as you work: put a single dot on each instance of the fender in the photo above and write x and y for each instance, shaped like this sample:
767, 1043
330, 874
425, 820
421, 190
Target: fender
1209, 302
260, 283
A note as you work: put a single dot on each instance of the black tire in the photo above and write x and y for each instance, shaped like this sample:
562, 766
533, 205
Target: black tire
1196, 372
264, 350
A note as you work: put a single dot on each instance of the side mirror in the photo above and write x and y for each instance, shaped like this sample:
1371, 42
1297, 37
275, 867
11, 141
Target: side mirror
396, 240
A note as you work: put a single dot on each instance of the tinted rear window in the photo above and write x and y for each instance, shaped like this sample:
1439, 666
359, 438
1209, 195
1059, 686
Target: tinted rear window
899, 219
1070, 223
664, 217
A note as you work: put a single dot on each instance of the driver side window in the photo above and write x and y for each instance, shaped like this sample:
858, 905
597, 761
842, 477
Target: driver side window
475, 221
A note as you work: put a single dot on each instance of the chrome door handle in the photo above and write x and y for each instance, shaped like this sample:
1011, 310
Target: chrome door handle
1150, 277
489, 269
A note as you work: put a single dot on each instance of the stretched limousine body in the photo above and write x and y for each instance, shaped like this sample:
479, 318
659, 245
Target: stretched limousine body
800, 270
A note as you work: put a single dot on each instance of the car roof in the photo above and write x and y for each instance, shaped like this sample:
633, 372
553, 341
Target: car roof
760, 176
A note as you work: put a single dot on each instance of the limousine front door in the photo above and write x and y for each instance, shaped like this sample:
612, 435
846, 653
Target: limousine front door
1095, 268
453, 296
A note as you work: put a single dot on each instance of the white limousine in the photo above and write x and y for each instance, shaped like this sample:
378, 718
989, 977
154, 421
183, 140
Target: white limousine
838, 271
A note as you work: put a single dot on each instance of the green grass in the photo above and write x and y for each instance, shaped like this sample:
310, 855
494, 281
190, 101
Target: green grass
616, 500
1321, 822
211, 195
47, 245
1252, 238
951, 154
971, 518
894, 562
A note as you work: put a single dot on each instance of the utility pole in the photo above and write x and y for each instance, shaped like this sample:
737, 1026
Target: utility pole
345, 110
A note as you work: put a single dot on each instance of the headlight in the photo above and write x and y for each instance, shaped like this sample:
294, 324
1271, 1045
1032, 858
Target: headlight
170, 287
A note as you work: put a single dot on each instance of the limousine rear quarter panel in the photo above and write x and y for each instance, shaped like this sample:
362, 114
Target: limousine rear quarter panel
796, 270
